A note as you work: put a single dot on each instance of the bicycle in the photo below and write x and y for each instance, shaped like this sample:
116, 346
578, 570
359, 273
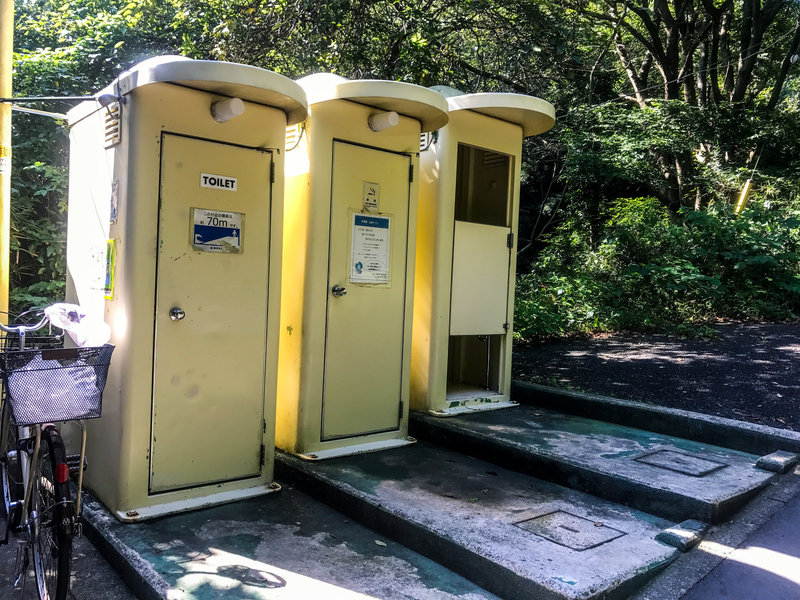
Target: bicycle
41, 387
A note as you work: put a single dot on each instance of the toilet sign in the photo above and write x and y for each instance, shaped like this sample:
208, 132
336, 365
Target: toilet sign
218, 182
216, 230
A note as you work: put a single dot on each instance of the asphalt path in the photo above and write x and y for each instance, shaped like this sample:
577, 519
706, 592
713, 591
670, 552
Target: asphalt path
92, 577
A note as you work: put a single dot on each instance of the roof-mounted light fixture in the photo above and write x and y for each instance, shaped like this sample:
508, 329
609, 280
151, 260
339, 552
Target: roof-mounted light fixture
225, 110
383, 120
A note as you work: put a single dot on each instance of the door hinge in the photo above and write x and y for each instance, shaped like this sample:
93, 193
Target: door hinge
272, 172
263, 454
400, 411
411, 173
510, 240
263, 427
506, 326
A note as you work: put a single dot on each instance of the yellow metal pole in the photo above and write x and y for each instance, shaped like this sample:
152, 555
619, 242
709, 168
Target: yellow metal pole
6, 66
744, 196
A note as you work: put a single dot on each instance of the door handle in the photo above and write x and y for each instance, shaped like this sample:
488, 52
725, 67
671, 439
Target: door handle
338, 290
176, 314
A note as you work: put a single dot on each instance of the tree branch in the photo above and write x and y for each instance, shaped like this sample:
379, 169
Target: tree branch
515, 85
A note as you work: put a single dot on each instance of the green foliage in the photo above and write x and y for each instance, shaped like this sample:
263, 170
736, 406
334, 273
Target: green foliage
608, 263
38, 212
77, 46
62, 47
620, 149
472, 45
652, 270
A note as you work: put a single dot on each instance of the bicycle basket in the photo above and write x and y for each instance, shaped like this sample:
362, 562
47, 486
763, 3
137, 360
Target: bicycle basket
63, 384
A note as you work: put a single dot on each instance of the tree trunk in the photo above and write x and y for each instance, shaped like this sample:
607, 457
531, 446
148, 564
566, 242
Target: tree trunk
794, 48
701, 77
755, 21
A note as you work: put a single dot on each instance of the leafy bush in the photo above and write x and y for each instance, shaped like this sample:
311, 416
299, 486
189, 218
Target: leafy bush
62, 48
652, 270
38, 213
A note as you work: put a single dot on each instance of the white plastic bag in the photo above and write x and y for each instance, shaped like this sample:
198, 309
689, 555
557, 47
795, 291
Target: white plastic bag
85, 330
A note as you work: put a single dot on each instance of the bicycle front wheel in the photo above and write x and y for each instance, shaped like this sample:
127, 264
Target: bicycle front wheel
52, 521
11, 468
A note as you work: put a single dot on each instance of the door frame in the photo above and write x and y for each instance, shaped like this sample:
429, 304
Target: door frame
270, 195
403, 384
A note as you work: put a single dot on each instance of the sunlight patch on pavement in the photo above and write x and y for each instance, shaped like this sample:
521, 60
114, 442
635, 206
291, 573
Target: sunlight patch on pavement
793, 348
220, 571
777, 563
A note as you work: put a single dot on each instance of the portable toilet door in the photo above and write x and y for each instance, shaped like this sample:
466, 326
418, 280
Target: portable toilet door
174, 235
348, 274
466, 251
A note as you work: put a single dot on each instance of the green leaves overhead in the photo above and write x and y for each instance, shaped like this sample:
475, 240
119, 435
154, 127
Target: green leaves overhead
678, 102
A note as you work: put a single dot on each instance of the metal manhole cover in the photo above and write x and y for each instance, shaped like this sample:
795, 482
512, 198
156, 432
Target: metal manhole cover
570, 530
687, 464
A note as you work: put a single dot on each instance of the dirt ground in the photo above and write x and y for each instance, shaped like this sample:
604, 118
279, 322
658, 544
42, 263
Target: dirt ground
751, 372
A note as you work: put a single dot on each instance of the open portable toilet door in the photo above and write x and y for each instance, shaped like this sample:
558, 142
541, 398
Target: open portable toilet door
466, 251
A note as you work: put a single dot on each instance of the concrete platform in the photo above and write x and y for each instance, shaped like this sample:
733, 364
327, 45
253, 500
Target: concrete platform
514, 535
675, 478
708, 429
280, 546
433, 523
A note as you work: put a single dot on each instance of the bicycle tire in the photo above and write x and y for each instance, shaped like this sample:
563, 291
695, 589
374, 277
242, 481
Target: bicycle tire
11, 469
52, 523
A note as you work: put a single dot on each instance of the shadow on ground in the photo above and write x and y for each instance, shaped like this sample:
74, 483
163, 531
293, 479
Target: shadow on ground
751, 372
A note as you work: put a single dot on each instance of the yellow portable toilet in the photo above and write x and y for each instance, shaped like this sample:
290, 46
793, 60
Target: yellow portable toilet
174, 236
466, 251
348, 271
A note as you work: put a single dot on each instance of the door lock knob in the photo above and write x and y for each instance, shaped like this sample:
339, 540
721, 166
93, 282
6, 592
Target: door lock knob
338, 290
176, 314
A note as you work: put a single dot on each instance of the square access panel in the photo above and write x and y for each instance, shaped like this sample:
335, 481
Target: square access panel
687, 464
571, 531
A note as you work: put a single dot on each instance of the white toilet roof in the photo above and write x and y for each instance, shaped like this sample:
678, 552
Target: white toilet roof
407, 99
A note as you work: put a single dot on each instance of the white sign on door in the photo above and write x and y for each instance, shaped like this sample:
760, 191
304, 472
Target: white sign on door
218, 182
369, 256
372, 196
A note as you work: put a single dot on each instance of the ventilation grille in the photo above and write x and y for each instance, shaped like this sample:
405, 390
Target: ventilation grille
493, 160
113, 127
292, 136
425, 140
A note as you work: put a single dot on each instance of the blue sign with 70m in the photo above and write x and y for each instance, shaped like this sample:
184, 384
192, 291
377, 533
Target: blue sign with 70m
217, 231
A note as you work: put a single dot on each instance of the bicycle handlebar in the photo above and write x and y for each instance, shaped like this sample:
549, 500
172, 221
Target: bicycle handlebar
22, 330
85, 329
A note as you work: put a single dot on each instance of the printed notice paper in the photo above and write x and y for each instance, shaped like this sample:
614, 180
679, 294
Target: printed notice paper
369, 258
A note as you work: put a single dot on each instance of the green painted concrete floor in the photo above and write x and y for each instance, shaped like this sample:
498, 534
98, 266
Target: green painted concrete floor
666, 475
283, 545
516, 535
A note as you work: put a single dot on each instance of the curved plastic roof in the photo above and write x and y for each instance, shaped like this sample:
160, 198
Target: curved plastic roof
226, 79
533, 114
407, 99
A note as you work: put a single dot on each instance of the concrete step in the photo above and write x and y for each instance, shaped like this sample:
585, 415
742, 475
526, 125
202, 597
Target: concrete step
709, 429
672, 477
280, 546
512, 534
